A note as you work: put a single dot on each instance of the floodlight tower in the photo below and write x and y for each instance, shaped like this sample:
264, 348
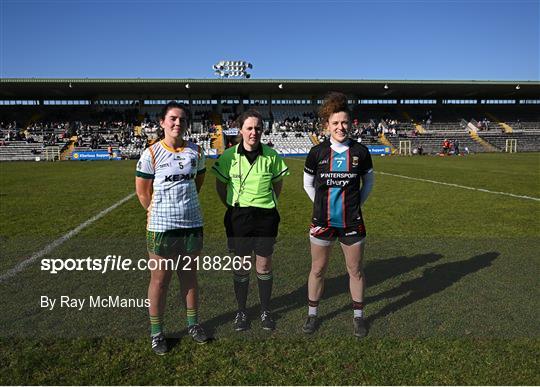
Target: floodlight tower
232, 69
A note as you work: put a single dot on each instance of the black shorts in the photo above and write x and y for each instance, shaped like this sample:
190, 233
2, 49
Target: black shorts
324, 236
251, 229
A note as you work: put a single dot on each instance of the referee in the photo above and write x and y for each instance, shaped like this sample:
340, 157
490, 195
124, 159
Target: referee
249, 181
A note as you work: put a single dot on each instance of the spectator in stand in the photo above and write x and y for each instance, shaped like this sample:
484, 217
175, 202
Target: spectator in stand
456, 147
446, 146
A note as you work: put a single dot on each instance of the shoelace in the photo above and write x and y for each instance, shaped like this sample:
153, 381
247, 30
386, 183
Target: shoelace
156, 340
240, 316
265, 315
195, 329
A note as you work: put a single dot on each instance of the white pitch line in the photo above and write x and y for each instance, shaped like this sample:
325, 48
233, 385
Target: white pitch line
451, 185
51, 246
461, 186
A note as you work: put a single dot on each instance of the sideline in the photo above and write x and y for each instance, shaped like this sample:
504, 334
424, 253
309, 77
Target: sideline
461, 186
448, 184
51, 246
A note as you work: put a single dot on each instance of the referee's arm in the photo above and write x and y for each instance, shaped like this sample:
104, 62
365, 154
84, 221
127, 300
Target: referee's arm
277, 187
221, 189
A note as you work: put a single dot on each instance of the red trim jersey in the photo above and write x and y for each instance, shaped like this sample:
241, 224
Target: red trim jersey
337, 183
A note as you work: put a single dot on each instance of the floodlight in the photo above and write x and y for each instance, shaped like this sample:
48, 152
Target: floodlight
232, 69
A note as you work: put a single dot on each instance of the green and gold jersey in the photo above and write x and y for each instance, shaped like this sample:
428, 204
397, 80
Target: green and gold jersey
175, 203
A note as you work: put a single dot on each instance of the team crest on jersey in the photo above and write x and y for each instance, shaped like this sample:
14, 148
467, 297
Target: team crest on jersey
355, 161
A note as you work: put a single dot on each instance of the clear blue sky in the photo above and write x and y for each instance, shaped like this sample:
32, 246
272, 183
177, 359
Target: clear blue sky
460, 39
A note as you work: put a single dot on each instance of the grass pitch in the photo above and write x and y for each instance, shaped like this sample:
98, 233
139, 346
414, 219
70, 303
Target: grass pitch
452, 276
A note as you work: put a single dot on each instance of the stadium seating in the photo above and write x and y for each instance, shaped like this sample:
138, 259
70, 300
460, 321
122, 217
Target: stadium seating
20, 151
431, 143
294, 143
99, 128
526, 142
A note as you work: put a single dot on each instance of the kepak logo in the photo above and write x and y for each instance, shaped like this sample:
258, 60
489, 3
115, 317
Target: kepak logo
181, 177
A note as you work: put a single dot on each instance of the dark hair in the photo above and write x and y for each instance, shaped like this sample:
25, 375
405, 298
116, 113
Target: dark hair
165, 109
175, 105
334, 102
247, 114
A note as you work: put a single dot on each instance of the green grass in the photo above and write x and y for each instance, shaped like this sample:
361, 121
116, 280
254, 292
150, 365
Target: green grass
452, 283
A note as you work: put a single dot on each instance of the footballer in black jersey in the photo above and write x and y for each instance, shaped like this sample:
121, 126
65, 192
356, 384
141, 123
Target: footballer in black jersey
338, 177
337, 183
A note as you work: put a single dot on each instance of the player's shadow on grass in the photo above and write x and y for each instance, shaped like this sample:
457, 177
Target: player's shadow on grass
376, 272
433, 280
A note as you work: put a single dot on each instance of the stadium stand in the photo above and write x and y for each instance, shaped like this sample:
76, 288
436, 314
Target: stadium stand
481, 116
291, 133
526, 142
20, 151
289, 143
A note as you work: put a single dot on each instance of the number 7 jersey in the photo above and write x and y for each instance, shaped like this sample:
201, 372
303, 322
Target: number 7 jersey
337, 183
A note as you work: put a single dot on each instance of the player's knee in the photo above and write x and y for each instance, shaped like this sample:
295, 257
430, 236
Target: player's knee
264, 268
263, 264
355, 273
318, 272
160, 283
